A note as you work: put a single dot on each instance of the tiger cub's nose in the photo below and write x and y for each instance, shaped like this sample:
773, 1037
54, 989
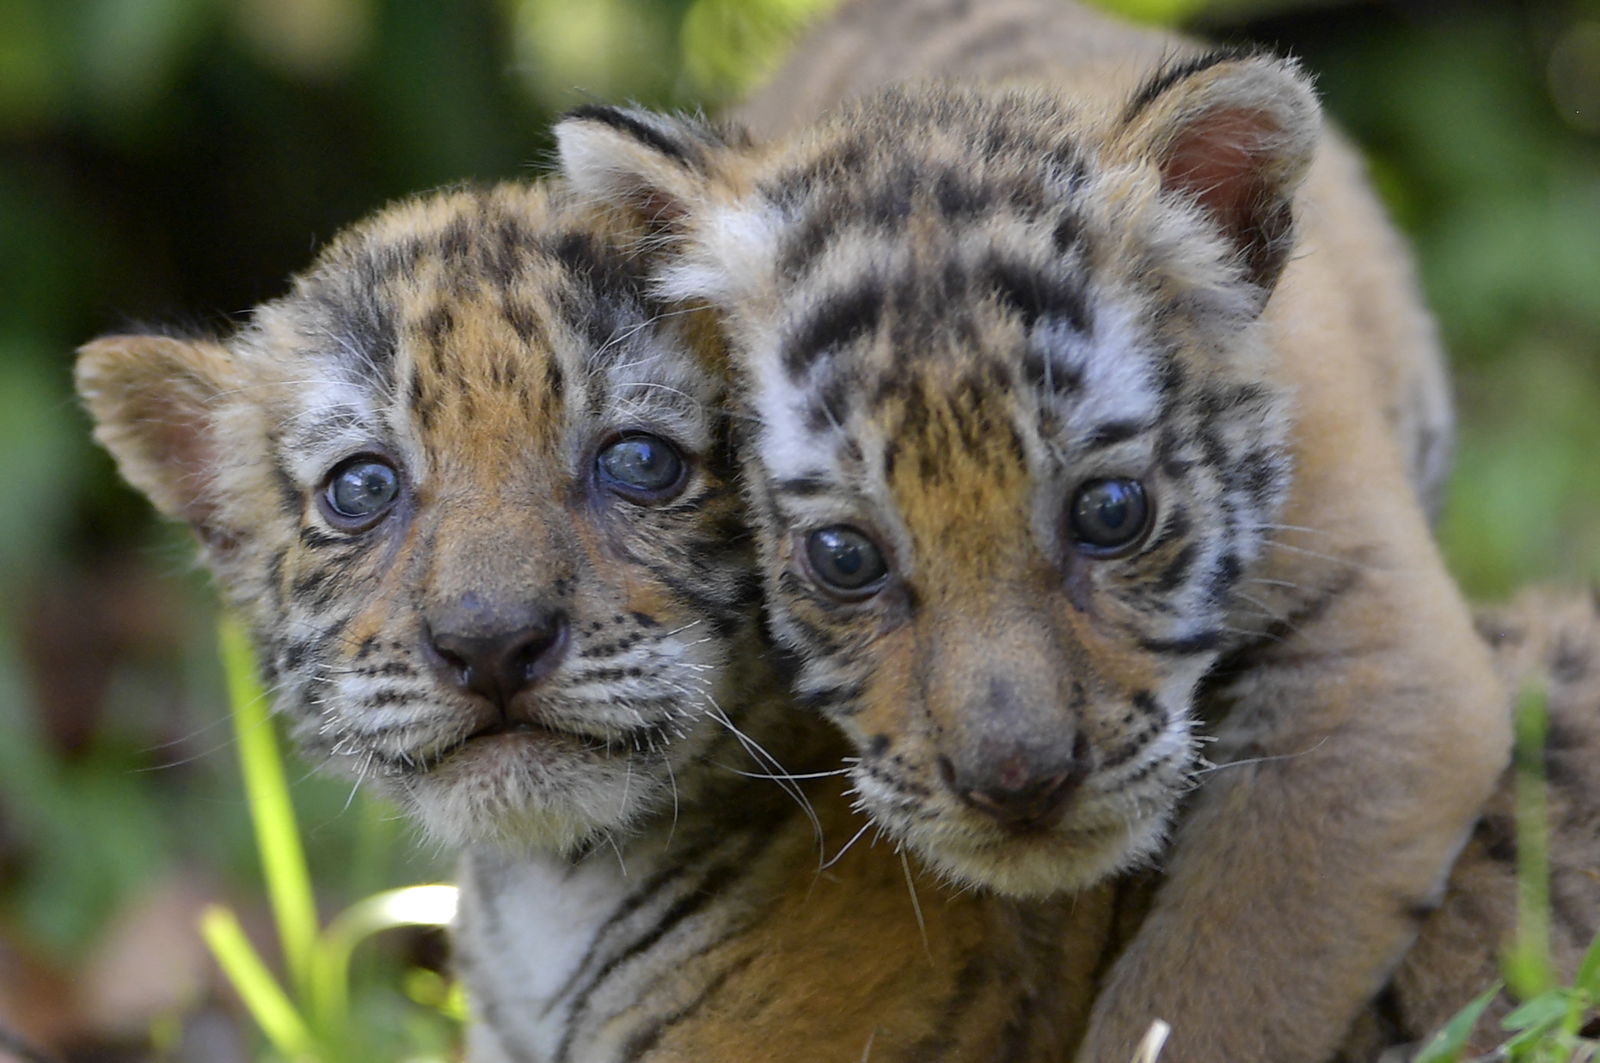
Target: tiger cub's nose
1025, 807
500, 664
1018, 795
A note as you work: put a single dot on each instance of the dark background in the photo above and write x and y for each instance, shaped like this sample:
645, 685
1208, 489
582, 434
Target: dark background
174, 161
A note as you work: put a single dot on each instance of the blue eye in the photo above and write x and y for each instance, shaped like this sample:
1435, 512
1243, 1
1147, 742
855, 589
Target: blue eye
359, 492
846, 561
641, 467
1109, 516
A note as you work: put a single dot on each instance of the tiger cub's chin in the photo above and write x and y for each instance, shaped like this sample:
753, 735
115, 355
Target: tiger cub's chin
526, 792
1062, 859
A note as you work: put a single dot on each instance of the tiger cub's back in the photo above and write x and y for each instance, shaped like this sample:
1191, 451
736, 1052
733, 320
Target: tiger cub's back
1357, 276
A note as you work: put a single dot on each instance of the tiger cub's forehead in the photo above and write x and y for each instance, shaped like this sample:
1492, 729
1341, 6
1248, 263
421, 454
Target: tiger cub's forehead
942, 281
504, 316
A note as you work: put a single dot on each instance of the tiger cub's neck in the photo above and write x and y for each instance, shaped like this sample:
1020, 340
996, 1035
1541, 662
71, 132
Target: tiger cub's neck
544, 940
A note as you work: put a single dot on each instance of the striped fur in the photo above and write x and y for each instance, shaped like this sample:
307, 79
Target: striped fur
949, 309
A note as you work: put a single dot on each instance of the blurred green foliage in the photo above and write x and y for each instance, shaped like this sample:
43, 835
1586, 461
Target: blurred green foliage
173, 161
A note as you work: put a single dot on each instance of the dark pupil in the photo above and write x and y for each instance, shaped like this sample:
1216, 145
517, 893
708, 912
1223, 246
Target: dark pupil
641, 462
1108, 513
845, 558
363, 489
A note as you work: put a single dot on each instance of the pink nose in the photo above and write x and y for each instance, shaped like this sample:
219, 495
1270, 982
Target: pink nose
1017, 795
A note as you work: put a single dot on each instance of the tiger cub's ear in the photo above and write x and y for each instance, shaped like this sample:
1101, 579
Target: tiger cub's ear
1235, 133
684, 180
662, 166
155, 401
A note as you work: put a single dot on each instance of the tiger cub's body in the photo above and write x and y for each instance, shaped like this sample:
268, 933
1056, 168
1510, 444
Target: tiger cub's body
982, 332
1548, 642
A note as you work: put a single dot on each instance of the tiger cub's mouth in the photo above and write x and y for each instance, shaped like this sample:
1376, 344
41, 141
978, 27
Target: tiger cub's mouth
530, 738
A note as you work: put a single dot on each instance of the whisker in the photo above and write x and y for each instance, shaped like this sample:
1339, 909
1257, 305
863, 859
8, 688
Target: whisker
1211, 768
791, 775
916, 905
847, 846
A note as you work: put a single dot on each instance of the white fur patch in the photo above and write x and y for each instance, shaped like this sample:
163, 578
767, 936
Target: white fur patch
530, 938
730, 260
1116, 368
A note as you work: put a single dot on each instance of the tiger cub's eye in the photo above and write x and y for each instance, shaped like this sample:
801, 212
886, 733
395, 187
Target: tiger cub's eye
641, 467
846, 561
359, 492
1109, 517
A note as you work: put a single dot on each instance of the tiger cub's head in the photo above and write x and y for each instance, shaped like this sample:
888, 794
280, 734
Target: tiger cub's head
469, 489
1016, 438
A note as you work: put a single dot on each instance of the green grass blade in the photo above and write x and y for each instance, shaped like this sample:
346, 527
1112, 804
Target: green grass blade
1528, 969
432, 905
1539, 1014
1447, 1045
283, 859
1588, 980
265, 999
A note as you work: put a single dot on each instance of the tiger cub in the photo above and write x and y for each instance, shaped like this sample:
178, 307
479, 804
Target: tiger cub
467, 488
470, 487
1067, 458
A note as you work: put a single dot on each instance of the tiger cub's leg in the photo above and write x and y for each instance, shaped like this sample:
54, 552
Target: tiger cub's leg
1549, 641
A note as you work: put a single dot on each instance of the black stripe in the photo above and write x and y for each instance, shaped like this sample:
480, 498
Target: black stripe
1033, 294
1017, 1039
842, 319
1111, 433
637, 128
315, 538
1132, 748
1177, 570
807, 486
711, 887
1169, 76
1188, 645
289, 500
831, 699
1223, 575
972, 977
646, 1039
686, 857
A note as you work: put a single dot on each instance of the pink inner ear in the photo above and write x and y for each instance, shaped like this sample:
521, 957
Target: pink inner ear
178, 434
1218, 160
660, 208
